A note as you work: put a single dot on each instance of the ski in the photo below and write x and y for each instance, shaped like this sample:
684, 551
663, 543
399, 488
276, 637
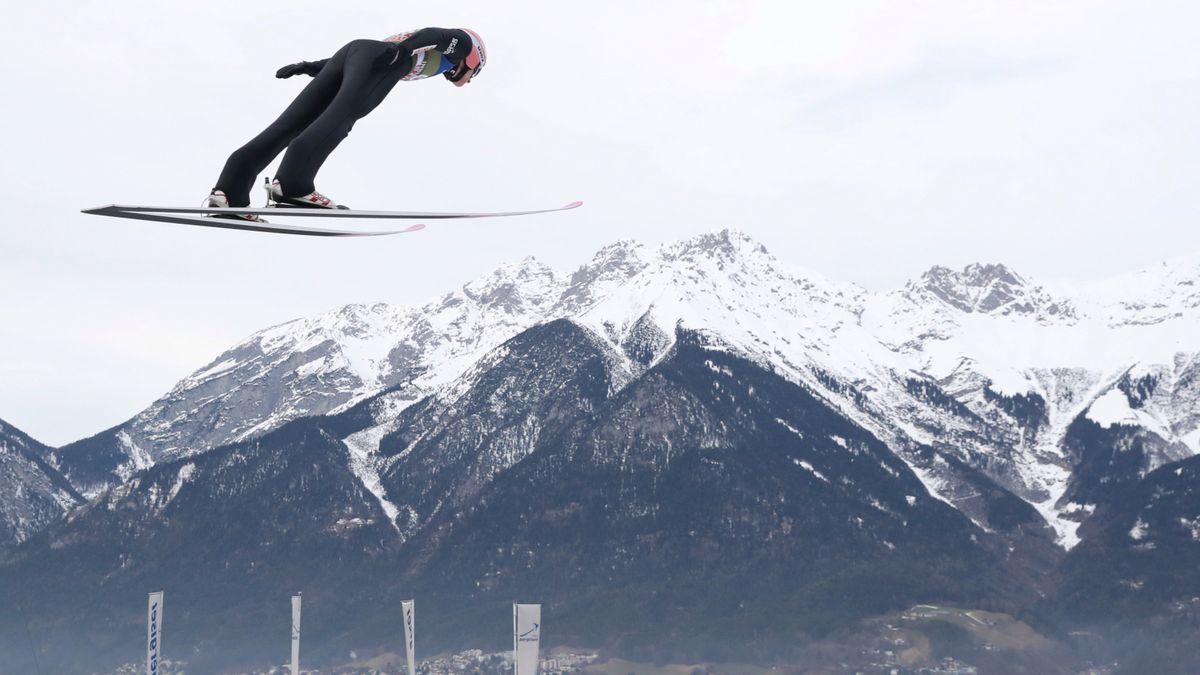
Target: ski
249, 225
124, 211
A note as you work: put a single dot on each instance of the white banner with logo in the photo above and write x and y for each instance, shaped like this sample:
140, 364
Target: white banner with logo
295, 635
410, 636
527, 629
154, 615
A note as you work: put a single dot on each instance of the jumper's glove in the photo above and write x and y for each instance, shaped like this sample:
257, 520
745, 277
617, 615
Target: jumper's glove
310, 68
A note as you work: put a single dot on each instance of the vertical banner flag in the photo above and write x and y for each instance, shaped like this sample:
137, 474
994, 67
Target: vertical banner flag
296, 634
409, 636
154, 614
527, 629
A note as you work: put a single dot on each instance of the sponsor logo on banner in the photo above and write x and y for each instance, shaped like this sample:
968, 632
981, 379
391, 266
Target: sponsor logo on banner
530, 635
409, 636
153, 639
408, 620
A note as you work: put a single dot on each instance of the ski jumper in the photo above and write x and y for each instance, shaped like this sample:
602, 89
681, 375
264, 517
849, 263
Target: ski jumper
346, 87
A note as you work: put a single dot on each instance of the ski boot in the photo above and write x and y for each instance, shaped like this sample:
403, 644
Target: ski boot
312, 200
217, 200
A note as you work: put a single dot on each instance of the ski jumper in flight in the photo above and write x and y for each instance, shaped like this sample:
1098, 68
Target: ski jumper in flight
345, 88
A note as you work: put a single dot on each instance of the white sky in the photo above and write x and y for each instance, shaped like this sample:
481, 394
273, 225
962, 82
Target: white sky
865, 140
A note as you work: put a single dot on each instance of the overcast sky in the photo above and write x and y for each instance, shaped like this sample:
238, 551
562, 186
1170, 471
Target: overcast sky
863, 140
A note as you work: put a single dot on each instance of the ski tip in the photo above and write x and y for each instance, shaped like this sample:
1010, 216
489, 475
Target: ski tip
572, 205
411, 228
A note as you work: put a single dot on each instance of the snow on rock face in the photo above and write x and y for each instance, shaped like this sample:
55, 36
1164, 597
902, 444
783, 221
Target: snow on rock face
32, 492
610, 268
321, 364
1139, 531
988, 289
727, 285
515, 289
1155, 295
1193, 527
1001, 320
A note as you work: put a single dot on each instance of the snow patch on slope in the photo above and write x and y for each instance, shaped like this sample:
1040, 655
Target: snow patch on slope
1112, 408
365, 465
809, 468
184, 474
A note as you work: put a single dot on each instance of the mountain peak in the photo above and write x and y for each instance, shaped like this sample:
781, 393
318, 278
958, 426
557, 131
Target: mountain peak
623, 258
722, 244
980, 288
981, 274
612, 266
514, 285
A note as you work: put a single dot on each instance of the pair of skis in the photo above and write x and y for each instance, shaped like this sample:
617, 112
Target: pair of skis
208, 217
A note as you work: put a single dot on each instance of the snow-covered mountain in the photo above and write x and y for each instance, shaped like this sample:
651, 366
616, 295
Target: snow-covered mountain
32, 493
774, 443
979, 369
682, 499
314, 366
1031, 360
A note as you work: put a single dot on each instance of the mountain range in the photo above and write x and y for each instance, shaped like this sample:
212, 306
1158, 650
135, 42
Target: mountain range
668, 445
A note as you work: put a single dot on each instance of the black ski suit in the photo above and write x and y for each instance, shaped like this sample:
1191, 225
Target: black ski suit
345, 88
